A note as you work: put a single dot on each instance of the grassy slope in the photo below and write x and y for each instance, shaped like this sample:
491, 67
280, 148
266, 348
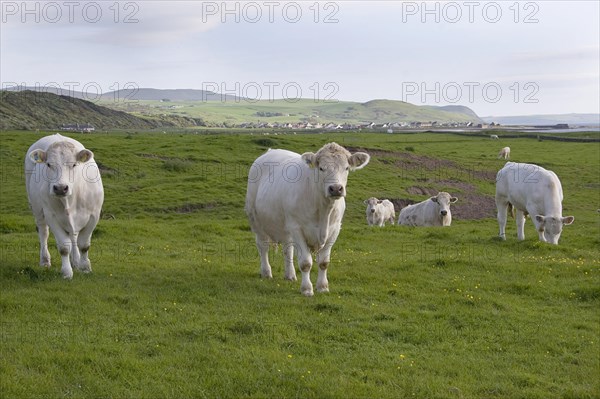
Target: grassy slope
30, 110
175, 307
329, 111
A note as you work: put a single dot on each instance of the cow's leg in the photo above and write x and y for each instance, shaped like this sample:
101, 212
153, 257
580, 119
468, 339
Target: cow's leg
539, 226
262, 245
304, 264
64, 244
83, 244
288, 254
43, 233
520, 218
502, 215
75, 253
323, 258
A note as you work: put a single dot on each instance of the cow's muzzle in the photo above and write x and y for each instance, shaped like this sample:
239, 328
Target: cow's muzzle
336, 190
444, 213
60, 190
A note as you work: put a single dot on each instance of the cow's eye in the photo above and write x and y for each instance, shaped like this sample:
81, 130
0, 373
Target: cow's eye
347, 167
322, 169
49, 165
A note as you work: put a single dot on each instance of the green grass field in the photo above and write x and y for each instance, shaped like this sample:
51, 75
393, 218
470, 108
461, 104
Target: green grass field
175, 306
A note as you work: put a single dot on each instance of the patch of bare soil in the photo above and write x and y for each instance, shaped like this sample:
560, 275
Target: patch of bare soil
189, 208
471, 205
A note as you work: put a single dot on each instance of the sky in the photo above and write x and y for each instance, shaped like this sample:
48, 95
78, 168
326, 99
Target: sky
496, 57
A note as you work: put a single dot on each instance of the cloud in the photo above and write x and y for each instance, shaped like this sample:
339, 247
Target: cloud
145, 23
577, 54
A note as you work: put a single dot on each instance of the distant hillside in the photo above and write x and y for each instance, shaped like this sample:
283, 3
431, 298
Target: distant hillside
461, 109
392, 111
227, 113
36, 110
152, 108
571, 119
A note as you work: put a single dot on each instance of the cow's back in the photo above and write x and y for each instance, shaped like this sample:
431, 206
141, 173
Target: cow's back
524, 184
420, 214
278, 193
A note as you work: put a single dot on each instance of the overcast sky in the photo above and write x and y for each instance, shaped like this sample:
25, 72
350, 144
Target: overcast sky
498, 58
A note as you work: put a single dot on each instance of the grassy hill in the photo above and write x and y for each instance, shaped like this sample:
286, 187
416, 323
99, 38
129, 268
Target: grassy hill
154, 108
232, 112
28, 110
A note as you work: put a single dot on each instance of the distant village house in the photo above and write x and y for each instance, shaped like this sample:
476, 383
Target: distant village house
76, 127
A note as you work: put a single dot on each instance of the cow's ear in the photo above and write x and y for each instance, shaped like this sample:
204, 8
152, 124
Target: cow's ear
84, 156
434, 199
540, 218
310, 158
568, 219
38, 156
359, 160
365, 202
379, 201
453, 200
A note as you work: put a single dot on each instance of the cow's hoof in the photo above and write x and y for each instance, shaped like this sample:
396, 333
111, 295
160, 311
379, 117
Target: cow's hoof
85, 267
290, 278
68, 276
323, 289
308, 293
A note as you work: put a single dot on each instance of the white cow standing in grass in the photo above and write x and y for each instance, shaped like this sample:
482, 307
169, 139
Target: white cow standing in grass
379, 212
434, 211
494, 136
65, 194
531, 190
504, 153
298, 200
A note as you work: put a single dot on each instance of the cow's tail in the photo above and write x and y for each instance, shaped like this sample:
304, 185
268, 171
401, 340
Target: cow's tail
511, 210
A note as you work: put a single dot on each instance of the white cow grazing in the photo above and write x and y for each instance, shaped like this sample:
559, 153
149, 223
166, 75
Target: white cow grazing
533, 190
434, 211
298, 200
380, 211
65, 193
504, 153
494, 136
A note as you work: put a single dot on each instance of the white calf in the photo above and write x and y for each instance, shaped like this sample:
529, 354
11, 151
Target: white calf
504, 153
379, 211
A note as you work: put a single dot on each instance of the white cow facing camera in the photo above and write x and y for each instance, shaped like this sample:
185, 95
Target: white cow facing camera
299, 201
434, 211
379, 212
65, 194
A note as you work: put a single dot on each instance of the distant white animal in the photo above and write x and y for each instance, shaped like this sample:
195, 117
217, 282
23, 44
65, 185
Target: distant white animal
504, 153
494, 136
380, 211
531, 190
65, 194
298, 200
434, 211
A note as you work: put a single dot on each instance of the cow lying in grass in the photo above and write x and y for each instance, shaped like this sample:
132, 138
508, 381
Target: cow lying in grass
434, 211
